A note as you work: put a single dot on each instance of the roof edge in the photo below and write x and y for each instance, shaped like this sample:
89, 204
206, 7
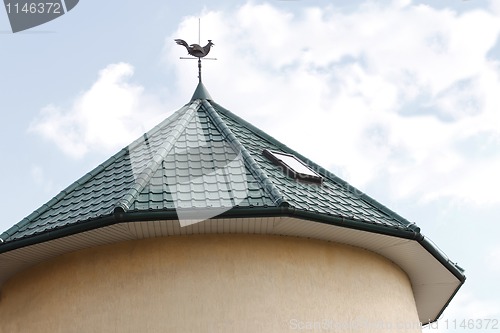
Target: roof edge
120, 216
446, 305
442, 258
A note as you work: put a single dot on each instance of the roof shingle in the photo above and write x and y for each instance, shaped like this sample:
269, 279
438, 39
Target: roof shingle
190, 161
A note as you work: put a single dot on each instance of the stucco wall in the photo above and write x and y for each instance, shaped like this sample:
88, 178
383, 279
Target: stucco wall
212, 283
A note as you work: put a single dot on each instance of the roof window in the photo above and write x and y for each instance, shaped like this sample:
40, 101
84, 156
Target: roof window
293, 166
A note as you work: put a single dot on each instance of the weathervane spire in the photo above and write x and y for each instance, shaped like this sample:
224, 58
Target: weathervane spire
196, 50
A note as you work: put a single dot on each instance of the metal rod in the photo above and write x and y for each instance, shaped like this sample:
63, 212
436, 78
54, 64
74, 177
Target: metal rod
191, 58
199, 70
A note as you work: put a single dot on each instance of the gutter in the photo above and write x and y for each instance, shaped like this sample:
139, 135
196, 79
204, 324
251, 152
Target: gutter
436, 253
120, 216
65, 231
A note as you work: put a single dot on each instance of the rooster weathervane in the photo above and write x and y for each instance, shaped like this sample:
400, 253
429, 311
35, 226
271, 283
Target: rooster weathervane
194, 49
197, 51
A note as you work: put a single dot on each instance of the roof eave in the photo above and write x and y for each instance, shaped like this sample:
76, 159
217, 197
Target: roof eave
120, 216
316, 217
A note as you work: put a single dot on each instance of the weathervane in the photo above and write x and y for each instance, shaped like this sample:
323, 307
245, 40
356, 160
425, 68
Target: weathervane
196, 50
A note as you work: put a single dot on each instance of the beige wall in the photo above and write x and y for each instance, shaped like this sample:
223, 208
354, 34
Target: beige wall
211, 283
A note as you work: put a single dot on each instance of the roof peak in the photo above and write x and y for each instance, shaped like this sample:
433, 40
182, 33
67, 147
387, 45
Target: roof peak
201, 93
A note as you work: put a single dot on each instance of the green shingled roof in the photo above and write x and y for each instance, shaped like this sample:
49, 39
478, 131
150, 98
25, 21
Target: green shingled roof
169, 169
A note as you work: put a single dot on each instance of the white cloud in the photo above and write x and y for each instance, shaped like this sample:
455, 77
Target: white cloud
382, 91
400, 92
104, 118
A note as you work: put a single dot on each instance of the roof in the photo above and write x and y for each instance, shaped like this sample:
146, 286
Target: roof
205, 163
159, 172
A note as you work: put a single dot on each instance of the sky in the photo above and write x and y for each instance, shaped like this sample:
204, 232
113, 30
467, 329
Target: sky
399, 98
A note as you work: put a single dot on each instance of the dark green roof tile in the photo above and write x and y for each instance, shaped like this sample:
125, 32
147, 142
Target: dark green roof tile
178, 163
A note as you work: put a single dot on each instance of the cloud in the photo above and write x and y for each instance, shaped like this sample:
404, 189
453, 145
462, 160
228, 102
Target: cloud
104, 118
399, 92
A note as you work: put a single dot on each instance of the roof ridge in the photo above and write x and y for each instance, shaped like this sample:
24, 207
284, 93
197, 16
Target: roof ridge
254, 168
144, 177
170, 119
366, 198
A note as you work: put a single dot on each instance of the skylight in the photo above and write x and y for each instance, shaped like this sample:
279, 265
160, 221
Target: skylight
293, 166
